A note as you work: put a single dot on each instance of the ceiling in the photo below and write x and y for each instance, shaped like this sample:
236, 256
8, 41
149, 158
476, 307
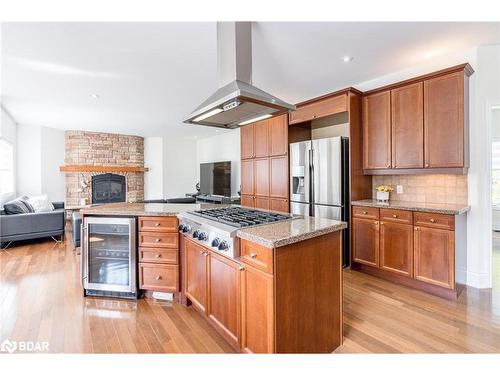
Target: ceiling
148, 76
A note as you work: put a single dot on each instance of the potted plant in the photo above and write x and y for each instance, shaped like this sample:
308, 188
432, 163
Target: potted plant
383, 193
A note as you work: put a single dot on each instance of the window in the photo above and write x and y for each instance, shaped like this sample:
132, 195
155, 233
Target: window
6, 167
495, 165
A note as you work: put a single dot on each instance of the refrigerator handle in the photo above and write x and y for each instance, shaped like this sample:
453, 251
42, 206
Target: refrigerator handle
311, 173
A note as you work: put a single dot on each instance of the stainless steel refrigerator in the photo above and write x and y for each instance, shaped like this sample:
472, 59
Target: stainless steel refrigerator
319, 181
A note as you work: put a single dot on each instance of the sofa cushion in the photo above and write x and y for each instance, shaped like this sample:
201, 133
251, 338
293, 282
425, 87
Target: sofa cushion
18, 206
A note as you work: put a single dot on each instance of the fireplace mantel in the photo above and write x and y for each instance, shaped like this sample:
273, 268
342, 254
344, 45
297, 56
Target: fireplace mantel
103, 168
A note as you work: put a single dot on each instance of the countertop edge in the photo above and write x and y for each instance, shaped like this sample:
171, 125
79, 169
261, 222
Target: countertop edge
288, 240
438, 210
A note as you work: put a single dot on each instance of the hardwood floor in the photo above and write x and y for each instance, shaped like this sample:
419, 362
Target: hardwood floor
41, 299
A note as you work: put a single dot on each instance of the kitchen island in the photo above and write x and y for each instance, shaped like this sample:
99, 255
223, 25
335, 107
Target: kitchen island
281, 293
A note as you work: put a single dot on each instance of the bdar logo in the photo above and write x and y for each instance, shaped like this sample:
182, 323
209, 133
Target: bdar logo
8, 346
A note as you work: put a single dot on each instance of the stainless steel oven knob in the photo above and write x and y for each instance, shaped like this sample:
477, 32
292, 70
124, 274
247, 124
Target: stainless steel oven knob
223, 246
186, 229
182, 227
196, 233
216, 242
202, 236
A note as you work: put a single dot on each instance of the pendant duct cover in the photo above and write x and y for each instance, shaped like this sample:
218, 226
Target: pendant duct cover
237, 102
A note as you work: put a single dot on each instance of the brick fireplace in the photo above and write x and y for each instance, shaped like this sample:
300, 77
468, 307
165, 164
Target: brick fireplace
87, 149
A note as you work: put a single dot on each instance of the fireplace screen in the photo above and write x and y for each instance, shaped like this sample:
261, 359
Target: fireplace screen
108, 188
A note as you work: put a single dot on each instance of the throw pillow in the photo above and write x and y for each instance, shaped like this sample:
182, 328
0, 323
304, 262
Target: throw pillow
41, 203
16, 206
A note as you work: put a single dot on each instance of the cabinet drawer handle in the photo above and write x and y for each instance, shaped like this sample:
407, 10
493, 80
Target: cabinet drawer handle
432, 220
416, 228
241, 268
202, 251
205, 253
158, 277
394, 216
158, 255
253, 255
381, 223
157, 224
376, 222
364, 212
158, 240
426, 165
388, 165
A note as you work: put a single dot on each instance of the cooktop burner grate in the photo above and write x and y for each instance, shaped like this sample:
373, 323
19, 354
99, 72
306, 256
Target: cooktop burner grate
240, 217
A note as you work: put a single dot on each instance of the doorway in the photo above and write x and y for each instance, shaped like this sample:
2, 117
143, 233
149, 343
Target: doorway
495, 197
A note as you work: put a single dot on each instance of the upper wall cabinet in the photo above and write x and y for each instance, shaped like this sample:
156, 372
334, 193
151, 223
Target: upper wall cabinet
444, 120
377, 135
420, 124
320, 107
247, 141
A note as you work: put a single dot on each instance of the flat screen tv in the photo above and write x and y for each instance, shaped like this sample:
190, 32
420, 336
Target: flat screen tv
215, 178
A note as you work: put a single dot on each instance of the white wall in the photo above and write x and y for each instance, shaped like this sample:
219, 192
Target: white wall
223, 147
179, 167
52, 157
8, 131
153, 159
40, 152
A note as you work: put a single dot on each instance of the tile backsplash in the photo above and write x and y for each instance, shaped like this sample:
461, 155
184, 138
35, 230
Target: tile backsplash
435, 188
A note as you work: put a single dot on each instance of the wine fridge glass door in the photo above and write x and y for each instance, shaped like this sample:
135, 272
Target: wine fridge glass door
110, 254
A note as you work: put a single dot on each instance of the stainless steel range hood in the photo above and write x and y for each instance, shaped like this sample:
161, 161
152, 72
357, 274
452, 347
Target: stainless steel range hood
237, 102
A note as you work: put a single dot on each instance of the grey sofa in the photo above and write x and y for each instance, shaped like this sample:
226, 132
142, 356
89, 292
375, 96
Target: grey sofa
19, 227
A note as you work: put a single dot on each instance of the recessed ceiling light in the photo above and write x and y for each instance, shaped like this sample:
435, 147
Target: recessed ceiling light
95, 96
347, 59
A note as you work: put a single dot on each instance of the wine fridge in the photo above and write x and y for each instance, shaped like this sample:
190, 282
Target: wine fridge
109, 266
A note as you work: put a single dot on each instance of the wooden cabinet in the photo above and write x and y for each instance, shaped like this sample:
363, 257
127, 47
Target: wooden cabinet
444, 121
257, 311
247, 134
319, 108
261, 177
158, 242
365, 246
224, 296
377, 131
420, 124
195, 274
435, 256
281, 205
261, 202
247, 201
264, 168
278, 136
396, 247
407, 119
279, 185
261, 140
417, 249
247, 177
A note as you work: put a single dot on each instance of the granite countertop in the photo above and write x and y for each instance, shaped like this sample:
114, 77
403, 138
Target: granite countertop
145, 209
440, 208
290, 231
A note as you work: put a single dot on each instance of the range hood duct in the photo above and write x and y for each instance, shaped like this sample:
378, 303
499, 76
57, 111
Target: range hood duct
237, 102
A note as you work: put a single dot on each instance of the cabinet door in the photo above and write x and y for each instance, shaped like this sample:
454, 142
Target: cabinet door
279, 184
261, 177
224, 297
247, 186
247, 141
377, 131
247, 201
279, 205
262, 202
407, 111
434, 251
195, 274
444, 121
365, 238
261, 139
278, 135
396, 247
257, 312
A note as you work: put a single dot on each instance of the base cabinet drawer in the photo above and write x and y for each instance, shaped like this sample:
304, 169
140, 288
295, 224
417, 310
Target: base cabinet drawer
158, 224
163, 240
159, 277
257, 256
157, 255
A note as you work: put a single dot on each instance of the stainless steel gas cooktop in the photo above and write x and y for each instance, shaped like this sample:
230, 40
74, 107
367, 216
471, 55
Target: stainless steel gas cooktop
217, 227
